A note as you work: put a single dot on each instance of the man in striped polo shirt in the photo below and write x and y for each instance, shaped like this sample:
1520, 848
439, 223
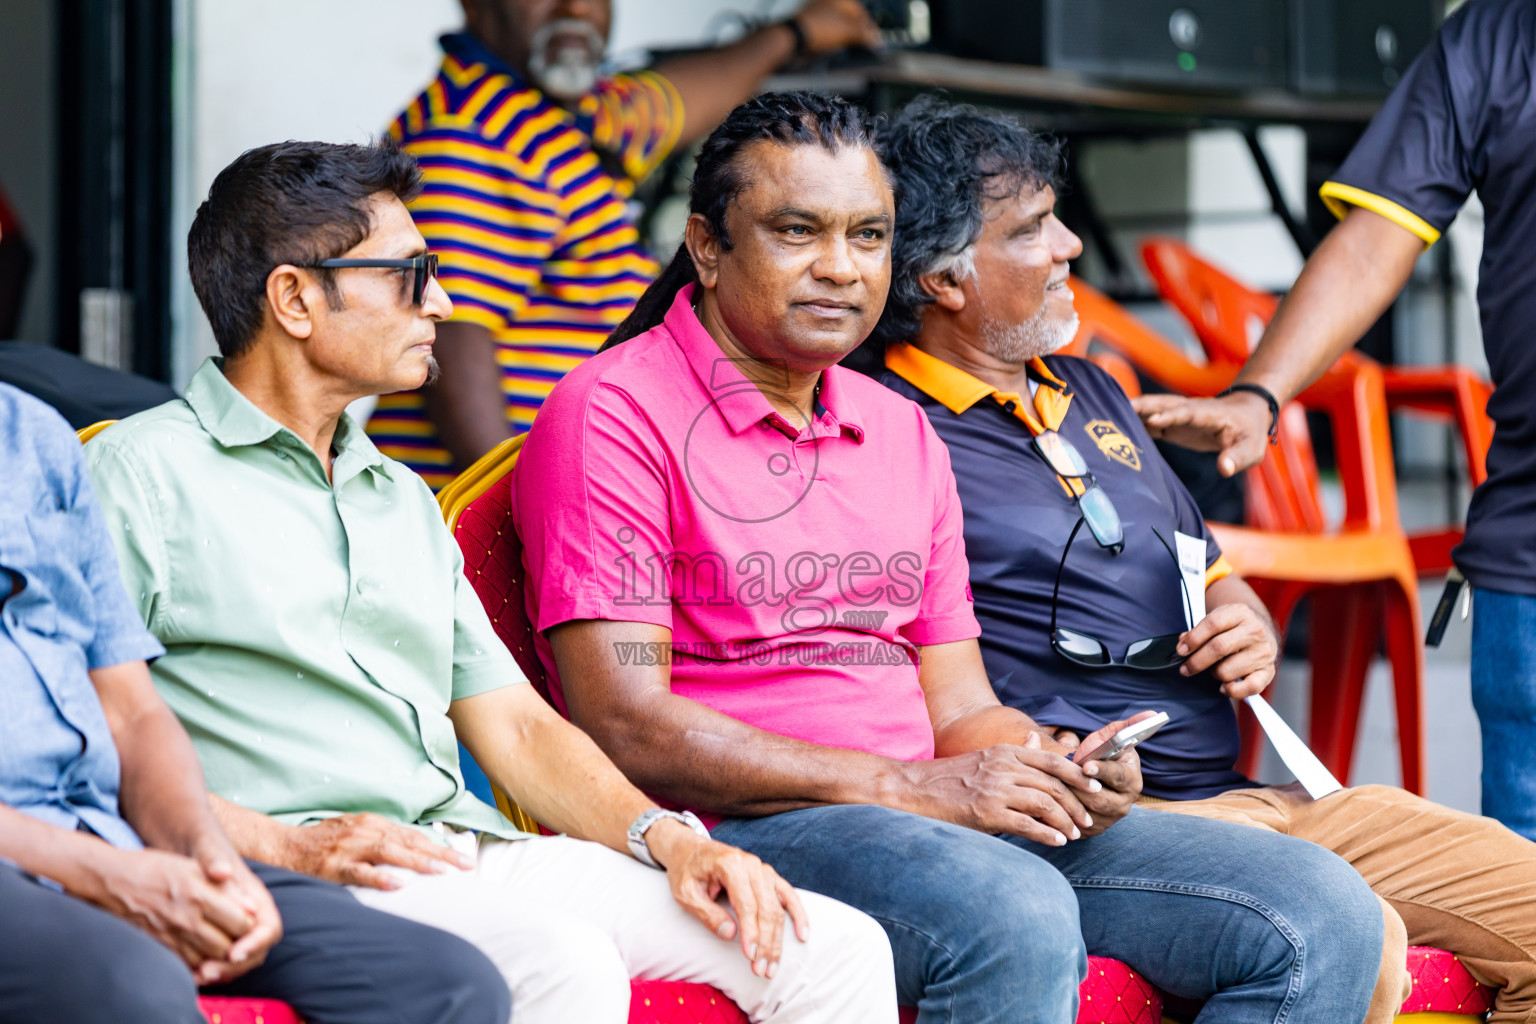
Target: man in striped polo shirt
528, 158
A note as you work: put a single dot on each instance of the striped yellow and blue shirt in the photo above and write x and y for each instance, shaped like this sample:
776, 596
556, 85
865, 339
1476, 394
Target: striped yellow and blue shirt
531, 228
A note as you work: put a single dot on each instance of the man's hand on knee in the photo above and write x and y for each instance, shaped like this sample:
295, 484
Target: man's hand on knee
355, 849
226, 871
172, 898
1021, 790
701, 871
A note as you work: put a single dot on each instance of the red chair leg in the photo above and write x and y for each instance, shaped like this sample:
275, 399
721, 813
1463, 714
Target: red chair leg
1402, 621
1345, 636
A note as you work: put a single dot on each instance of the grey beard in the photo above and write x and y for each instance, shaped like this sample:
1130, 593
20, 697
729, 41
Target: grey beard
572, 73
1037, 336
432, 372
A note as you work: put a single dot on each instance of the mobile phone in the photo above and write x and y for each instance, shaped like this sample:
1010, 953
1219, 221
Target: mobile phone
1125, 739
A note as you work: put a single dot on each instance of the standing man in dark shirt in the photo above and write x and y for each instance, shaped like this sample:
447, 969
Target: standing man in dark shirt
1462, 119
979, 300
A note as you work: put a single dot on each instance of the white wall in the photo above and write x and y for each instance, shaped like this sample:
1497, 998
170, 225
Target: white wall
251, 72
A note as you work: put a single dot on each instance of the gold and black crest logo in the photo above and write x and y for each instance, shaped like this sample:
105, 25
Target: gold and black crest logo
1113, 443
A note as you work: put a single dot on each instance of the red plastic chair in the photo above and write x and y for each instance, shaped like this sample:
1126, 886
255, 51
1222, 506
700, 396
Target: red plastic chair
477, 507
1228, 317
1361, 578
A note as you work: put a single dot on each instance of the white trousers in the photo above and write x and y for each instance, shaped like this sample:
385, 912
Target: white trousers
569, 922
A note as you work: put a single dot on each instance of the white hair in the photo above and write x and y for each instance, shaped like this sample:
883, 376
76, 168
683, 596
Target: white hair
959, 265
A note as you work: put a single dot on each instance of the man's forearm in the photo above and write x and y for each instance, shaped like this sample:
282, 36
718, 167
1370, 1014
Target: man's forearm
685, 752
255, 836
466, 404
987, 727
551, 769
1345, 287
711, 84
71, 858
568, 780
161, 792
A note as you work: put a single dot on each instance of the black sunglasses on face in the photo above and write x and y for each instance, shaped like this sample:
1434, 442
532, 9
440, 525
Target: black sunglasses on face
1154, 654
1098, 511
424, 266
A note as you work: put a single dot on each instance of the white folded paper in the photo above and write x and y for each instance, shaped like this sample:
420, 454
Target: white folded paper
1317, 780
1191, 555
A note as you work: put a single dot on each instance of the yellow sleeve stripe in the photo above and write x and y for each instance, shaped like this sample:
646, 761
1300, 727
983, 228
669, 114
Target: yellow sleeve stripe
1219, 570
1338, 198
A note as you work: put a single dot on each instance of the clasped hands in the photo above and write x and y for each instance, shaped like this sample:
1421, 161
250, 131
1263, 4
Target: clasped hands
1035, 790
207, 907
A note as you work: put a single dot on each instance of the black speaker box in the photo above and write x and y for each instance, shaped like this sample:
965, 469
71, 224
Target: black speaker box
1225, 44
1357, 47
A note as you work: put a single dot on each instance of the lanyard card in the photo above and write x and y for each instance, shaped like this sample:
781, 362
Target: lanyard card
1191, 552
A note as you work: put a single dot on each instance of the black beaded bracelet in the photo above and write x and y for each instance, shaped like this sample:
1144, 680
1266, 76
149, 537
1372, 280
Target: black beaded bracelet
1268, 396
802, 46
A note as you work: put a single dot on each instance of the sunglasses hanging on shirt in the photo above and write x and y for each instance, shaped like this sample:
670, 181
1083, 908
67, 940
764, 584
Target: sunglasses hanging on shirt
1153, 654
1098, 511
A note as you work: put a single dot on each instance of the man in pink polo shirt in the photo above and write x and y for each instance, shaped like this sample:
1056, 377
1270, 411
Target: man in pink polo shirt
747, 570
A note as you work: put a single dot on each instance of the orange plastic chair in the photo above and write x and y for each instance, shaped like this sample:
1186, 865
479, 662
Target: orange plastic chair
1361, 577
1228, 317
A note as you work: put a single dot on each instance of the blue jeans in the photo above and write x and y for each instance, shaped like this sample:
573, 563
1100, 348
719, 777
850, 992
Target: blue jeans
1265, 927
1504, 694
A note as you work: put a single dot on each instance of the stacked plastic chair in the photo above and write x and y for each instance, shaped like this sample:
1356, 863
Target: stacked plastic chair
477, 507
1228, 317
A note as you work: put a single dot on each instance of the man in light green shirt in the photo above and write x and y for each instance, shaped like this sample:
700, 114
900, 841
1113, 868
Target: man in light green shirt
326, 653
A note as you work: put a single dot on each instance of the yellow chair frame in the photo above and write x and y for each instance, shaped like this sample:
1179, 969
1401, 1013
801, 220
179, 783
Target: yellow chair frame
456, 496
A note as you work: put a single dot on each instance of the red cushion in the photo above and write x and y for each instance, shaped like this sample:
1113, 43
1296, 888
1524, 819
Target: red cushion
493, 561
1442, 985
680, 1002
1111, 994
246, 1011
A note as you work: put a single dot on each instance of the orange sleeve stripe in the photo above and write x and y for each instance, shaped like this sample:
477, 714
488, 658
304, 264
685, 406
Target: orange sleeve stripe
1219, 570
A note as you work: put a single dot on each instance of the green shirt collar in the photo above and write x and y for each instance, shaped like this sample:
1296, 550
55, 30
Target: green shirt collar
234, 421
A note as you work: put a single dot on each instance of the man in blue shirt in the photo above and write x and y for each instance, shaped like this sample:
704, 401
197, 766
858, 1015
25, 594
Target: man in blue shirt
1462, 119
118, 892
1079, 626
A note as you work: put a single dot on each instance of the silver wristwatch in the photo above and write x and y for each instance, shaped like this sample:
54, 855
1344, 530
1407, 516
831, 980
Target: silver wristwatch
642, 825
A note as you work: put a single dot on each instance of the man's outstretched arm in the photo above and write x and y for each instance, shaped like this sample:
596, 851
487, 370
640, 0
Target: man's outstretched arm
1345, 287
556, 773
686, 752
712, 83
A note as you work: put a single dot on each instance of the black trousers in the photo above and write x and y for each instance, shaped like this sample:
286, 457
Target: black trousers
64, 961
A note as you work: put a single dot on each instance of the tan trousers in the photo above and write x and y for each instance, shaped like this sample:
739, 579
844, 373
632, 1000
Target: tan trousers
1449, 879
570, 922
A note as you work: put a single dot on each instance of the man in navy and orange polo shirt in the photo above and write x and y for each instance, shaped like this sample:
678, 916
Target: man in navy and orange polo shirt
979, 300
528, 158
